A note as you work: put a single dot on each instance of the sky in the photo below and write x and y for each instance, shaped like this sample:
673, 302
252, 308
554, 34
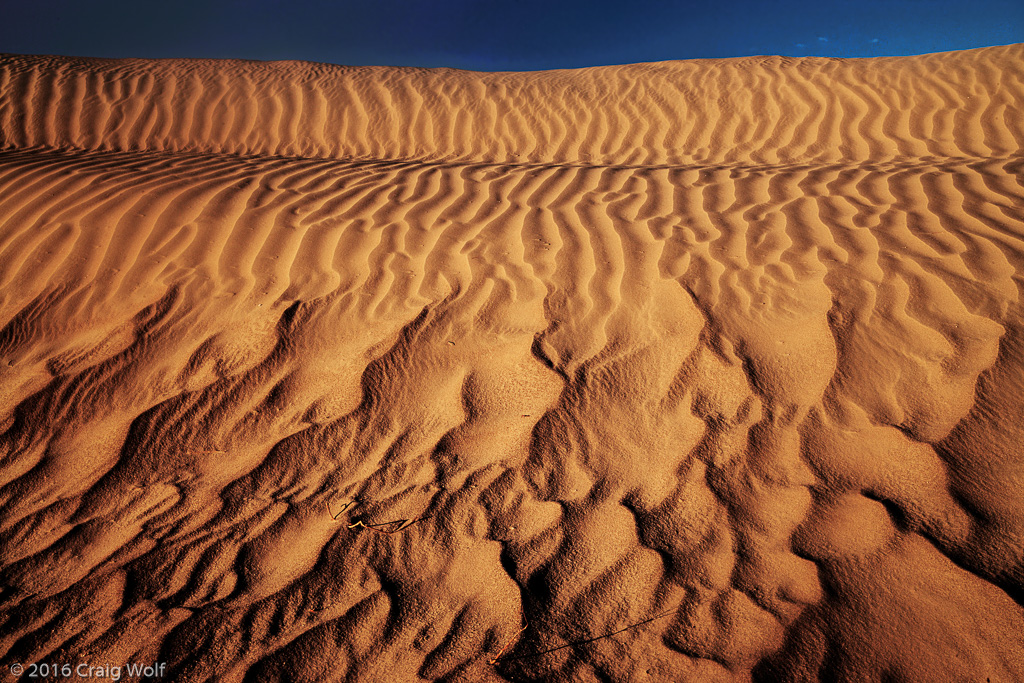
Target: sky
511, 35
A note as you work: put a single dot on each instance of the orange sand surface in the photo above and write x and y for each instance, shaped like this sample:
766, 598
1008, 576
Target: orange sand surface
689, 371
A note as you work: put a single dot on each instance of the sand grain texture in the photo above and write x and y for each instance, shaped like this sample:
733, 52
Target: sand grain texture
725, 358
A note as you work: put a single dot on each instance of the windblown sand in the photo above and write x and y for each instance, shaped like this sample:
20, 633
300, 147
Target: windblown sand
689, 371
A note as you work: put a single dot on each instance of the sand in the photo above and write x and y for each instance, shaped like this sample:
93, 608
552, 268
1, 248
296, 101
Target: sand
689, 371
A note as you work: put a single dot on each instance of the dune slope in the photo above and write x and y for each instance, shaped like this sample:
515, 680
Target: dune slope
700, 371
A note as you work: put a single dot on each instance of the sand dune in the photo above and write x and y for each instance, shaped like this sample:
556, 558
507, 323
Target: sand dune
750, 111
700, 371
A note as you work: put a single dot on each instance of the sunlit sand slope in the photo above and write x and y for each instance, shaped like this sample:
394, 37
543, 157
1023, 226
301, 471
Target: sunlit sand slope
695, 371
760, 110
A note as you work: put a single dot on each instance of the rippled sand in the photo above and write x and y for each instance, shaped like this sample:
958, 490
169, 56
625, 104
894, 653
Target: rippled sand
689, 371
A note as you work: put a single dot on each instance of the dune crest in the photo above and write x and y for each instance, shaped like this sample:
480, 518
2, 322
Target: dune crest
698, 371
746, 111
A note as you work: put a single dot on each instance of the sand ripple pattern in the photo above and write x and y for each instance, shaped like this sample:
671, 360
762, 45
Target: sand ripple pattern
725, 358
760, 110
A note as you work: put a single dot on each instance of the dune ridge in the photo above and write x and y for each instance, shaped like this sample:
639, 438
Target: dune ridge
770, 110
744, 371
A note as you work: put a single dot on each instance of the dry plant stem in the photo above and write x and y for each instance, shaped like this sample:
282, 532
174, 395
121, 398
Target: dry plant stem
494, 660
402, 524
341, 511
589, 640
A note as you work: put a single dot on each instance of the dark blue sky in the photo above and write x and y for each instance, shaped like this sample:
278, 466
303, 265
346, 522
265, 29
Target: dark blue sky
508, 35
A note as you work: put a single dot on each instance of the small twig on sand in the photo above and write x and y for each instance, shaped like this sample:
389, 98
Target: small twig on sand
402, 524
589, 640
494, 660
398, 524
341, 511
